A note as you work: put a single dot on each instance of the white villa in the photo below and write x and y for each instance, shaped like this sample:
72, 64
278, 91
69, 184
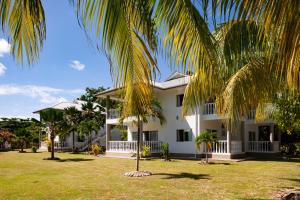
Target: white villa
180, 132
80, 142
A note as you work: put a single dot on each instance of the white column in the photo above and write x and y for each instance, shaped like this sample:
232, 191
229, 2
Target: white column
228, 142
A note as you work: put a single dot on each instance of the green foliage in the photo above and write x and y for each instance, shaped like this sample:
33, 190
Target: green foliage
208, 139
287, 112
165, 151
96, 149
34, 149
146, 151
22, 136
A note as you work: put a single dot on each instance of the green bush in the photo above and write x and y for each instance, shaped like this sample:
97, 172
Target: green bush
96, 149
34, 149
146, 151
165, 151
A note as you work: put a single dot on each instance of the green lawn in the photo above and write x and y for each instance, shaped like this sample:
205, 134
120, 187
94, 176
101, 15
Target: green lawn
27, 176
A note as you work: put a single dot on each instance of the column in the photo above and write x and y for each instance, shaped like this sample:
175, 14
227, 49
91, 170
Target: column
107, 131
228, 142
272, 137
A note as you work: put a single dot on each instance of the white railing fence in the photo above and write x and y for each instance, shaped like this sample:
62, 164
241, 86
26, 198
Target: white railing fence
209, 109
131, 146
221, 147
251, 114
259, 146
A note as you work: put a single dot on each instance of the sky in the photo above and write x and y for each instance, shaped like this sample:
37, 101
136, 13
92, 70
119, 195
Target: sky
67, 65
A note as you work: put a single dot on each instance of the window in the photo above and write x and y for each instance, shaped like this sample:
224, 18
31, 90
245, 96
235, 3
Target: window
252, 136
150, 135
134, 136
212, 131
179, 100
184, 135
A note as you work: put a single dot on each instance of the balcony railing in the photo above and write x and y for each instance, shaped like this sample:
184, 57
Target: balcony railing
131, 146
251, 114
113, 114
209, 109
221, 147
262, 146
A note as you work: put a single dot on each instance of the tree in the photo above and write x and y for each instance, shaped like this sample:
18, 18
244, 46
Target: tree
87, 127
131, 30
73, 118
5, 136
208, 139
53, 119
286, 112
155, 111
22, 136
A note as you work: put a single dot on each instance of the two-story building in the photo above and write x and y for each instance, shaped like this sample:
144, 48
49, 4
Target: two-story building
180, 132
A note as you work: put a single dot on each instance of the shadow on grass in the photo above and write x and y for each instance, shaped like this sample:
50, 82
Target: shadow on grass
277, 159
217, 163
292, 179
75, 160
183, 175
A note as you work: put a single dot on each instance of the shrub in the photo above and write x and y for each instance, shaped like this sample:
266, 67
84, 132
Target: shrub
34, 149
146, 151
96, 149
165, 151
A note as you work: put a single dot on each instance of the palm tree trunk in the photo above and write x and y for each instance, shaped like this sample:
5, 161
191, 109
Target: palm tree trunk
73, 135
206, 151
52, 136
138, 145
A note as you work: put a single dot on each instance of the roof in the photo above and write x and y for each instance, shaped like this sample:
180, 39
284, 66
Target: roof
63, 105
176, 79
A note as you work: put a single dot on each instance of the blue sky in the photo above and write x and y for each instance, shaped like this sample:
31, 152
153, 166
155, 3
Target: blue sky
68, 64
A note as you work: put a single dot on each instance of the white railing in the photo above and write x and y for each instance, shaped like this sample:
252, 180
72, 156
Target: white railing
155, 146
251, 114
131, 146
113, 114
219, 147
259, 146
209, 109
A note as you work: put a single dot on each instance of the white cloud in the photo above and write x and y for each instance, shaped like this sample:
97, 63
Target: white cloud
76, 64
2, 69
44, 94
4, 47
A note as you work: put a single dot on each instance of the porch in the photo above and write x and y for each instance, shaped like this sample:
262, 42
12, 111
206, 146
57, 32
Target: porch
131, 146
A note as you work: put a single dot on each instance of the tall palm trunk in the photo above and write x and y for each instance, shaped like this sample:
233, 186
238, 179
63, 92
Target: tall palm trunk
206, 152
138, 145
73, 135
52, 144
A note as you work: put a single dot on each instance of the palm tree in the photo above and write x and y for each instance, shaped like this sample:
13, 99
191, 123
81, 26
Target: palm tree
208, 139
73, 118
155, 111
130, 31
87, 127
53, 119
188, 39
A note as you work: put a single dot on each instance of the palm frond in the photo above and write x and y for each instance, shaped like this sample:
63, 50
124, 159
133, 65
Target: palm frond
24, 23
280, 23
127, 33
187, 38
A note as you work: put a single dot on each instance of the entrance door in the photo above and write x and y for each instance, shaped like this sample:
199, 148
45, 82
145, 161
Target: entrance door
264, 133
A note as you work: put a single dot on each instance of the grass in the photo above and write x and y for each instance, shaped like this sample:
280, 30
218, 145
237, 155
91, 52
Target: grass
28, 176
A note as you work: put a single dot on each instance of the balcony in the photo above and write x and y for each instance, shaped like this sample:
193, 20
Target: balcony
209, 109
